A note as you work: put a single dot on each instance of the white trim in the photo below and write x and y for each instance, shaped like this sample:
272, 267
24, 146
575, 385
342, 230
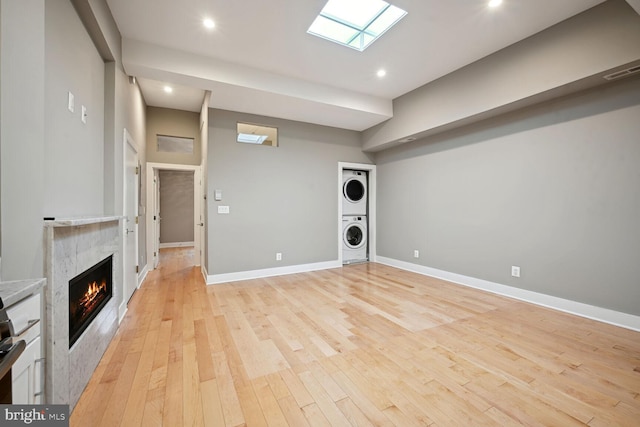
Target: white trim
124, 306
624, 320
269, 272
176, 245
143, 275
129, 141
122, 310
205, 274
371, 215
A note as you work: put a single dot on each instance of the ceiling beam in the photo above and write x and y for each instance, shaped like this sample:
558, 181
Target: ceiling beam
250, 90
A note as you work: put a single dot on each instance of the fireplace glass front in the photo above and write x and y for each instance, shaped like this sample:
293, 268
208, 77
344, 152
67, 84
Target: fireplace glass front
89, 292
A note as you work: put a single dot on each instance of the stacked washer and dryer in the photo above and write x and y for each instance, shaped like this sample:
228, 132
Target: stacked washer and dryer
355, 246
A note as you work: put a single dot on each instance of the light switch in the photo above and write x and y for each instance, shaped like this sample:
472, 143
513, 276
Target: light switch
223, 209
71, 102
217, 195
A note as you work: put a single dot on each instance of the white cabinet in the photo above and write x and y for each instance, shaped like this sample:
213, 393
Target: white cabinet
27, 373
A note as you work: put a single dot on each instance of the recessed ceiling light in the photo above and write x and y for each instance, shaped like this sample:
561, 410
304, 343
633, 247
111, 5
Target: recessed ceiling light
381, 73
168, 89
408, 139
495, 3
208, 23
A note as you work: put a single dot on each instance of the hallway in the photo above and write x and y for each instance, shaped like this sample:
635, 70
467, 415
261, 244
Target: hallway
145, 359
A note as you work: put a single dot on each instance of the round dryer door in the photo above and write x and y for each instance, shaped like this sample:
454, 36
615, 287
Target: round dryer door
354, 236
353, 190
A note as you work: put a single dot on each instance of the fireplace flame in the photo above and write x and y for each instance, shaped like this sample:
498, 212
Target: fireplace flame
93, 292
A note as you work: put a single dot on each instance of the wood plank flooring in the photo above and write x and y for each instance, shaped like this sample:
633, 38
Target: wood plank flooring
363, 345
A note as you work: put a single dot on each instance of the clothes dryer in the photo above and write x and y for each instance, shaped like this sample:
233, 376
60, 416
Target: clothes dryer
354, 192
355, 245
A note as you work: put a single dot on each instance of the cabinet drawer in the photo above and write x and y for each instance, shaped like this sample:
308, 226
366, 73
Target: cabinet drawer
23, 314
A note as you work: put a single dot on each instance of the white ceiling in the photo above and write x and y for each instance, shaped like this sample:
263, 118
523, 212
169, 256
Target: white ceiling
260, 60
187, 98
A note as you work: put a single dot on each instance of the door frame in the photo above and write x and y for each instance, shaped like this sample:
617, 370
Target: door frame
153, 237
371, 197
129, 141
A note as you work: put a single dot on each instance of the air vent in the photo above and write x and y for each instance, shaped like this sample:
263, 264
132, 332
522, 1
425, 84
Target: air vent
623, 73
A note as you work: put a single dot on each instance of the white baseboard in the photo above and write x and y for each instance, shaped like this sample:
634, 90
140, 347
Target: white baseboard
176, 245
269, 272
205, 275
624, 320
122, 310
143, 274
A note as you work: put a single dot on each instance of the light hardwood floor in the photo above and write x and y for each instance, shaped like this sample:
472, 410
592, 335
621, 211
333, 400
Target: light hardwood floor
361, 345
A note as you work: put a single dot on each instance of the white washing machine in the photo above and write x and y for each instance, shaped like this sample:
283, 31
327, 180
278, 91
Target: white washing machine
354, 192
354, 239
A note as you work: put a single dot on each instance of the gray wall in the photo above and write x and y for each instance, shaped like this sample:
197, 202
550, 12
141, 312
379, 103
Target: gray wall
176, 206
124, 109
168, 122
52, 164
23, 137
281, 199
554, 189
74, 183
569, 56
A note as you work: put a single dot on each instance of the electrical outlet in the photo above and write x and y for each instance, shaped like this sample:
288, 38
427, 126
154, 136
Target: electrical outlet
84, 115
515, 271
278, 256
223, 209
416, 254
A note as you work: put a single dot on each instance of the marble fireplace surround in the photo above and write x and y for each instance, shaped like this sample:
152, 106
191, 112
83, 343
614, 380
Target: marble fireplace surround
71, 247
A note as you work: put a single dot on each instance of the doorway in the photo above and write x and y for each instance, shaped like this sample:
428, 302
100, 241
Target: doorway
176, 210
154, 212
369, 186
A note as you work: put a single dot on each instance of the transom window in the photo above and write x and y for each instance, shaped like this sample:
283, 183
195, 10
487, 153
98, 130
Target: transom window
355, 23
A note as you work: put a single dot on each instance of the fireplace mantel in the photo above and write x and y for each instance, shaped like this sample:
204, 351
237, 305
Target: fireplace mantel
78, 221
73, 245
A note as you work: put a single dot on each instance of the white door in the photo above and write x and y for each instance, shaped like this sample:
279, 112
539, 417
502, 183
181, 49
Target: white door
156, 217
201, 227
131, 218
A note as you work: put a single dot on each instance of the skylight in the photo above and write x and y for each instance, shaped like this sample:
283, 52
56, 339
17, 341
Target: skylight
251, 138
355, 23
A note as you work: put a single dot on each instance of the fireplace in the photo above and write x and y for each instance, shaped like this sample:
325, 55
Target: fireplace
89, 292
